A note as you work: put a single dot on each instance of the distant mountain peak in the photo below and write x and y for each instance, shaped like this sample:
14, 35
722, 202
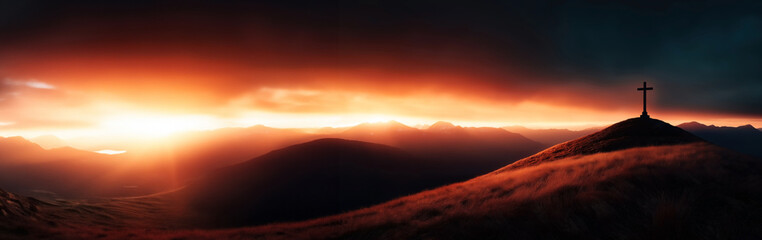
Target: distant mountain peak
441, 125
259, 127
748, 127
381, 126
395, 124
743, 139
634, 132
692, 125
17, 143
49, 141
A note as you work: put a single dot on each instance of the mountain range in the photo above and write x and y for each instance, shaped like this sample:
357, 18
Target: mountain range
68, 172
637, 179
745, 139
550, 137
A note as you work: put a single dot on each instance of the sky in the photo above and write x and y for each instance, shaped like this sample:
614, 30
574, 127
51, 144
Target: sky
150, 68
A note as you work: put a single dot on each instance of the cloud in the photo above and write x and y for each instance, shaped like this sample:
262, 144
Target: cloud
32, 83
370, 56
36, 84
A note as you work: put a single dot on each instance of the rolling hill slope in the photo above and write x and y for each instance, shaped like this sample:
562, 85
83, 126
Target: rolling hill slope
313, 179
667, 192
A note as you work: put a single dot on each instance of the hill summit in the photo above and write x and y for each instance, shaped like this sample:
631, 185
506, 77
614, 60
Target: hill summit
630, 133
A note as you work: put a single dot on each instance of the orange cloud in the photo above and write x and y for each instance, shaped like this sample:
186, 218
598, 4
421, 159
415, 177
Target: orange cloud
61, 90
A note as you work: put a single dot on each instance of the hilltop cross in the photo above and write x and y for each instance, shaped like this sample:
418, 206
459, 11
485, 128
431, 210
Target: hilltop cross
644, 89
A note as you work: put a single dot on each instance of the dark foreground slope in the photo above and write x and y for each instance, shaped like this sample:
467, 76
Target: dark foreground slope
308, 180
690, 191
24, 217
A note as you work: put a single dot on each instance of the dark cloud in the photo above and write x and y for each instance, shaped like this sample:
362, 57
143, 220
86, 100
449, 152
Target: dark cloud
700, 55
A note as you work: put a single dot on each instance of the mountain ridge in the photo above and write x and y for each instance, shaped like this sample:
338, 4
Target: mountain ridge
745, 139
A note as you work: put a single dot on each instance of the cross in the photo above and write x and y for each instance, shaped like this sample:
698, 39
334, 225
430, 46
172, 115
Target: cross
644, 89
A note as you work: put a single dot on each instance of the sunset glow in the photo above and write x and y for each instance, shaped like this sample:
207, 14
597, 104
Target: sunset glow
151, 78
520, 119
155, 125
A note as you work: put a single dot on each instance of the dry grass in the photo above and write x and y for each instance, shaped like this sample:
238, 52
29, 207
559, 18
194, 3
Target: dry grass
30, 218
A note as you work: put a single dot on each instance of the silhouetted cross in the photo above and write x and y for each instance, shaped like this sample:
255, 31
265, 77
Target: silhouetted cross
644, 89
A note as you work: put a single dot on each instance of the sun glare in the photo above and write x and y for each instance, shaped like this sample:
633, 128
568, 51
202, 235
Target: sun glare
110, 152
155, 125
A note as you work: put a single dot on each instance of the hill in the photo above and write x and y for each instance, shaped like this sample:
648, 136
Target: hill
199, 153
745, 139
688, 191
634, 132
17, 150
312, 179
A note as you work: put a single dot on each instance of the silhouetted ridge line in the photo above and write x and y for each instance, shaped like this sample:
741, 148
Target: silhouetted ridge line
745, 139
